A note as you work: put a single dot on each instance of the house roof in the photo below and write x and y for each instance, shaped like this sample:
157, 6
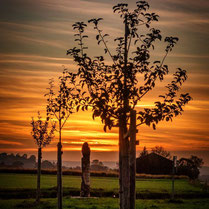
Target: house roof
154, 155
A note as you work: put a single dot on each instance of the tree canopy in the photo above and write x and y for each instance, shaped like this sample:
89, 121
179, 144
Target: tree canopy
114, 89
190, 166
41, 131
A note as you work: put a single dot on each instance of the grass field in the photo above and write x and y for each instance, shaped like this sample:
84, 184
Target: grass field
20, 181
24, 185
104, 203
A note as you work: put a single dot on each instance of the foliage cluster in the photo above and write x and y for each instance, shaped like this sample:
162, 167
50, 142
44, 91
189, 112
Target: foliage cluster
114, 88
190, 166
40, 131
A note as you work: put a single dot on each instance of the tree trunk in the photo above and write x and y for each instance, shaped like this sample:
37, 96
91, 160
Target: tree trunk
132, 159
124, 178
125, 168
59, 175
38, 192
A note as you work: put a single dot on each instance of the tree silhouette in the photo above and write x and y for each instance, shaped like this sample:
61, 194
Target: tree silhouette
190, 166
42, 133
115, 90
60, 106
161, 151
144, 152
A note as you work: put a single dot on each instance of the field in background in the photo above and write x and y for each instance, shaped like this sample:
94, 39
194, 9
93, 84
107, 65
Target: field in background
24, 185
74, 172
108, 183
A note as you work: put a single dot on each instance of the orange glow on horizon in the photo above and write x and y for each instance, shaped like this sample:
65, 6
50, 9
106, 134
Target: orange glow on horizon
79, 131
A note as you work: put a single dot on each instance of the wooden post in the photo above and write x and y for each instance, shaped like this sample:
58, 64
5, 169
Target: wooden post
85, 176
38, 192
59, 175
173, 177
132, 159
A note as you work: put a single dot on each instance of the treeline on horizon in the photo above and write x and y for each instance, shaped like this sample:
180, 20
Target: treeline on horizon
17, 161
189, 167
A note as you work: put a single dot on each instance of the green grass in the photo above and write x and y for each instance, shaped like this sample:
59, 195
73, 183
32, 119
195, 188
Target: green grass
104, 203
13, 184
28, 181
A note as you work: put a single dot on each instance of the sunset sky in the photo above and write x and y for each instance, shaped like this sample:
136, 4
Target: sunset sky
34, 37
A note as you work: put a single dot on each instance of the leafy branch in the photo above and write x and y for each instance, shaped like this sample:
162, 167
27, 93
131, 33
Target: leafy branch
115, 89
100, 37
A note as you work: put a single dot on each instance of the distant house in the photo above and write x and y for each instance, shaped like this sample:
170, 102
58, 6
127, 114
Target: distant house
154, 164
